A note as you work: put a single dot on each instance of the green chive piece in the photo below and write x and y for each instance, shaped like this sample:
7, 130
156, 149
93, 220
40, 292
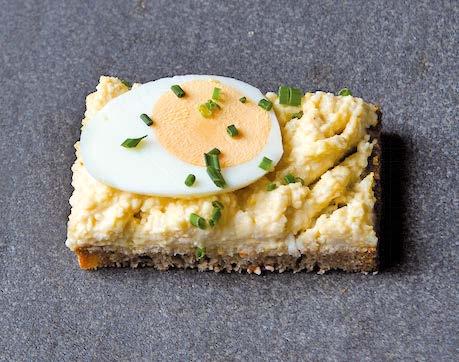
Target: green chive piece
232, 130
214, 151
218, 204
284, 94
290, 96
216, 177
265, 104
190, 179
243, 99
132, 142
289, 179
198, 221
345, 92
297, 115
216, 215
147, 120
126, 83
299, 179
295, 96
266, 164
200, 253
271, 186
179, 92
216, 93
212, 160
211, 105
205, 112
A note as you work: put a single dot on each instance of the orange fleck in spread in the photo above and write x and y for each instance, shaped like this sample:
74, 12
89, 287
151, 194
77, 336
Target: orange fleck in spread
185, 133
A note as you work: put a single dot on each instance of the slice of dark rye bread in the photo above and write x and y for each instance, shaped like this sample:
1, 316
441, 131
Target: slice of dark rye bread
350, 260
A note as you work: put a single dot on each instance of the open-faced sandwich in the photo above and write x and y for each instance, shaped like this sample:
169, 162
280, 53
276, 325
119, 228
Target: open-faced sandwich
201, 171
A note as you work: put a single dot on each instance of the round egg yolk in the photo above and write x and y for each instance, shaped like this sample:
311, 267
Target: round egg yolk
183, 131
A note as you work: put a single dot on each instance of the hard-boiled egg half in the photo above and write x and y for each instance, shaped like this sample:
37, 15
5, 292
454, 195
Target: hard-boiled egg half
192, 116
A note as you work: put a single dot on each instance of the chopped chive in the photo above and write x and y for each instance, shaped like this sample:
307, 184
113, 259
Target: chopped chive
218, 204
200, 253
345, 92
211, 105
147, 120
289, 179
206, 109
211, 159
290, 96
297, 115
271, 186
216, 215
132, 142
299, 179
243, 99
265, 104
216, 93
232, 130
295, 96
266, 164
205, 112
214, 151
179, 92
216, 176
198, 221
190, 179
284, 94
126, 83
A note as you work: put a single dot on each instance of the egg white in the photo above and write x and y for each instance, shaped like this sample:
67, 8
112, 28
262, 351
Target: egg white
149, 169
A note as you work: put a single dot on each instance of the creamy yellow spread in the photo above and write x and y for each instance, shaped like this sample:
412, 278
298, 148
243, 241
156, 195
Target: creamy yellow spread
328, 147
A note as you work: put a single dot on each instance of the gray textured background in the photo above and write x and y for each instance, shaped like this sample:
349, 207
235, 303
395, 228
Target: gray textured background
401, 54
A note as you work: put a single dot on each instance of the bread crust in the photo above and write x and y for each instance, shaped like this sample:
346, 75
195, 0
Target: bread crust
353, 260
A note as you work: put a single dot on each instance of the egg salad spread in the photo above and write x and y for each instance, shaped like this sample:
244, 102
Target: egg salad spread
319, 198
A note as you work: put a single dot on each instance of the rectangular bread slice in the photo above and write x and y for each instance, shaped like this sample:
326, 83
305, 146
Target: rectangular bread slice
328, 221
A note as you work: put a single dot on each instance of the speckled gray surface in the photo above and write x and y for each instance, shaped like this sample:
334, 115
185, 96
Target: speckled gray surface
400, 54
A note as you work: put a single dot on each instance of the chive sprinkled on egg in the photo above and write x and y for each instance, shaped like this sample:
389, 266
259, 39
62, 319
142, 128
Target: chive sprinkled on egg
290, 96
266, 164
265, 104
216, 212
147, 120
291, 179
216, 176
284, 94
211, 105
216, 215
178, 91
132, 142
295, 96
271, 186
190, 179
205, 112
216, 93
243, 99
218, 204
345, 92
215, 151
200, 253
126, 83
198, 221
207, 109
211, 159
232, 130
297, 115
